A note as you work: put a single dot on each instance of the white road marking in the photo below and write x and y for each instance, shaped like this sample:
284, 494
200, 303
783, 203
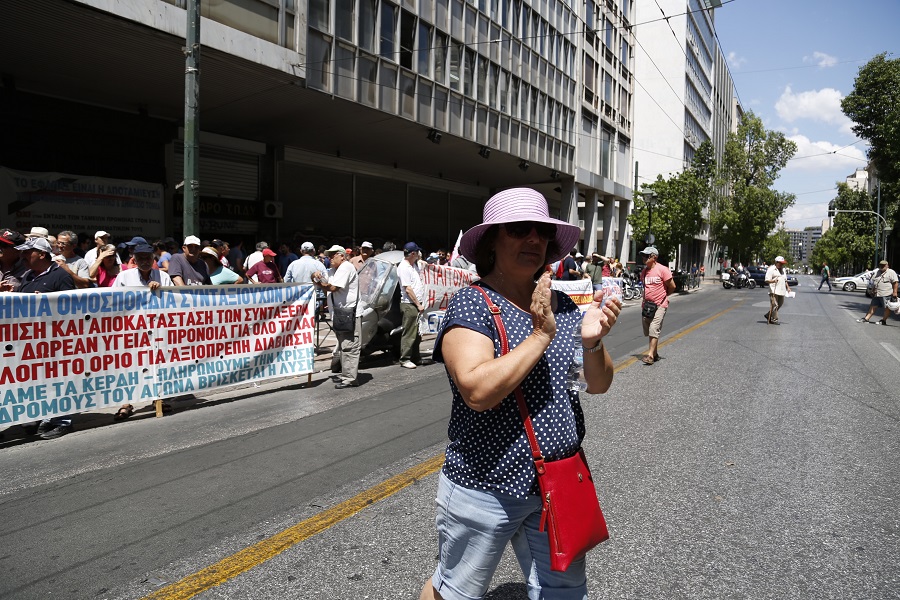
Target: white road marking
892, 350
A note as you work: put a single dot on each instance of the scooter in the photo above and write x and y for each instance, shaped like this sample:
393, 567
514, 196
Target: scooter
631, 287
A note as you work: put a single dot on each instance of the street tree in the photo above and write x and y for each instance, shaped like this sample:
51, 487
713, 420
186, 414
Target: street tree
743, 219
850, 242
777, 244
677, 212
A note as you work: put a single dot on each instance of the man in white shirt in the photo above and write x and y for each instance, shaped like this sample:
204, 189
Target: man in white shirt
143, 275
778, 288
101, 238
256, 256
412, 304
342, 284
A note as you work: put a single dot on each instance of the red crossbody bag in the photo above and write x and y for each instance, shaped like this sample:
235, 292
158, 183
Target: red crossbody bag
571, 514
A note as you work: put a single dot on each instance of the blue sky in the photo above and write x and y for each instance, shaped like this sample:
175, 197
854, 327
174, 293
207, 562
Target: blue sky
792, 62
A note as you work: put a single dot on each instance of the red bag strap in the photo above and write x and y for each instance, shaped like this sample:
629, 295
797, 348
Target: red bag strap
520, 396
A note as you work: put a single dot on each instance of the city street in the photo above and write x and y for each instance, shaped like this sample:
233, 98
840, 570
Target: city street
754, 461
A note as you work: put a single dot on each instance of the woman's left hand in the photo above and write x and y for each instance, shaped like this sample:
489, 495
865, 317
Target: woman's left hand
599, 319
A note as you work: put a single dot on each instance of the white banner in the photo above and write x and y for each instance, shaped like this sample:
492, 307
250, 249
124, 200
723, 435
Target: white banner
62, 202
581, 291
75, 351
441, 282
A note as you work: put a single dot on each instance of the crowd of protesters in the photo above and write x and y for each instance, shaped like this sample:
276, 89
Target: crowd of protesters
39, 262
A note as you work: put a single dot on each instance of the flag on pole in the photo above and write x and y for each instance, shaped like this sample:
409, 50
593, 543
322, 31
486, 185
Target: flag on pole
455, 254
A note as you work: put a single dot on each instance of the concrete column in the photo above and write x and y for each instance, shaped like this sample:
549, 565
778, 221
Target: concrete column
569, 203
624, 245
609, 240
591, 200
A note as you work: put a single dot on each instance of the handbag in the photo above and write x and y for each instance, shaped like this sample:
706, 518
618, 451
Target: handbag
344, 320
570, 512
648, 309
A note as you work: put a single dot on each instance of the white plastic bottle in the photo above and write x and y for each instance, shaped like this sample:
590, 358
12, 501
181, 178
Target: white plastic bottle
575, 377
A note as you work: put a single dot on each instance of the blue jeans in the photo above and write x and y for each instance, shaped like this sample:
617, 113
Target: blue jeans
824, 281
474, 527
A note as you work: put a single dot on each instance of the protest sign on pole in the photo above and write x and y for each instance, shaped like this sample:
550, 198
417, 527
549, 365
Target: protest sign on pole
441, 282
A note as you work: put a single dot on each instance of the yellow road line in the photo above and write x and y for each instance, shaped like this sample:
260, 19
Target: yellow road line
232, 566
248, 558
627, 363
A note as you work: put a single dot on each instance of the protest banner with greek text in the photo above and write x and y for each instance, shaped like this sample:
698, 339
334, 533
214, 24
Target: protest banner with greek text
70, 352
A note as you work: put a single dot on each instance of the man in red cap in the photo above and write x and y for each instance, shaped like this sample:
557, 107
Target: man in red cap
12, 267
265, 271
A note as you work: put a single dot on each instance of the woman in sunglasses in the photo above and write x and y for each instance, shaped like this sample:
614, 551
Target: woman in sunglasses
487, 492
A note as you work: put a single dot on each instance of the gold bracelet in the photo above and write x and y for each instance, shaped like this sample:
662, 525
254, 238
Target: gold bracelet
596, 348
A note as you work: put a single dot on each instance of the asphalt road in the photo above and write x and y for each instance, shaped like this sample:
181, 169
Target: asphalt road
753, 461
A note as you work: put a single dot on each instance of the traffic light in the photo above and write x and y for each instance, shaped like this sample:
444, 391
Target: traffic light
831, 209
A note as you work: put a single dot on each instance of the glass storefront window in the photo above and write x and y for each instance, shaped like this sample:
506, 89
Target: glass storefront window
318, 14
423, 49
387, 86
366, 31
440, 57
344, 19
388, 30
368, 81
345, 63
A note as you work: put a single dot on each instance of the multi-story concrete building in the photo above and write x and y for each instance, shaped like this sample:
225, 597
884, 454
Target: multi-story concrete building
684, 96
802, 242
326, 120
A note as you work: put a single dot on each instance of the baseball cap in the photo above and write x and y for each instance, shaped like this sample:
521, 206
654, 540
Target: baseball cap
11, 238
267, 252
135, 241
780, 258
884, 262
411, 247
336, 248
191, 240
101, 234
36, 243
307, 247
367, 245
139, 248
40, 232
650, 250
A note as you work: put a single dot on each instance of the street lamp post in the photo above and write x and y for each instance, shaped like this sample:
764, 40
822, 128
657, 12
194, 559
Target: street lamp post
649, 200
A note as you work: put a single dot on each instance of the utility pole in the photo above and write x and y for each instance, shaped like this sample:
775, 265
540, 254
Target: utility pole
191, 189
877, 237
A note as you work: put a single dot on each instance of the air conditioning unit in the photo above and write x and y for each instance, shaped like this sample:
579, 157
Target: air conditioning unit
273, 210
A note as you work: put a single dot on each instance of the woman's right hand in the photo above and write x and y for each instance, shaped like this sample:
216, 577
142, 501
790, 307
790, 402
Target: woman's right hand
542, 309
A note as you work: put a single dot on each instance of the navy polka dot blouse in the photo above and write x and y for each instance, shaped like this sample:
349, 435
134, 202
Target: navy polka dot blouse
489, 450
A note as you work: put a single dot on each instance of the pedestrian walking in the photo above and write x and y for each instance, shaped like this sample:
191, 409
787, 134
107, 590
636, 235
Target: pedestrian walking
412, 304
885, 283
826, 276
778, 289
658, 284
485, 493
342, 285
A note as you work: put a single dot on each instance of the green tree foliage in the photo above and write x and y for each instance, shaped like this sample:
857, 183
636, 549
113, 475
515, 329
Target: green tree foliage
678, 210
849, 245
777, 244
874, 107
753, 160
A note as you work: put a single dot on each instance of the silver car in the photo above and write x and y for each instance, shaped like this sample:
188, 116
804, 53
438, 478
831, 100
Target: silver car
855, 282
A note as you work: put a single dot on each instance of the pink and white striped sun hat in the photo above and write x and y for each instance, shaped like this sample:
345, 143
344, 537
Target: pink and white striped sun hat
520, 204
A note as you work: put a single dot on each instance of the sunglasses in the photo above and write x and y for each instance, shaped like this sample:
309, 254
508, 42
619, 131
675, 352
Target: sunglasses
521, 229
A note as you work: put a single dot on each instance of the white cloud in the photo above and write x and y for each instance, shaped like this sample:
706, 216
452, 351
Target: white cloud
821, 59
735, 61
817, 105
825, 156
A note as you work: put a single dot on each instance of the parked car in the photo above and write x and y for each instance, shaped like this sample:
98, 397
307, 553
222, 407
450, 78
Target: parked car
758, 274
854, 282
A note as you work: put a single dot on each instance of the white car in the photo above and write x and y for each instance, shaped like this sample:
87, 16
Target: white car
856, 282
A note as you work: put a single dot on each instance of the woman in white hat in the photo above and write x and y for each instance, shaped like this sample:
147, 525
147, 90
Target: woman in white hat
486, 494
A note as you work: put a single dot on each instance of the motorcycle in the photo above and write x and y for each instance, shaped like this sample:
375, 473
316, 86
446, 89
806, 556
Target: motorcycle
632, 288
733, 279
